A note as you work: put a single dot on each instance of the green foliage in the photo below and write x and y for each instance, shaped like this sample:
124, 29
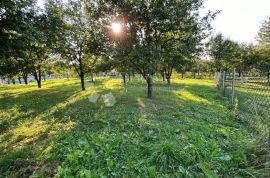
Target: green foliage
264, 33
222, 51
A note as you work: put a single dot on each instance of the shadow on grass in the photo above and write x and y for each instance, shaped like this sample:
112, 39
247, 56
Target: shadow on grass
135, 137
139, 121
29, 105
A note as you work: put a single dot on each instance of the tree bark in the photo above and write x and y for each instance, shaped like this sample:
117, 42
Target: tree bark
168, 76
82, 81
163, 76
124, 78
168, 80
182, 75
19, 78
81, 74
39, 83
13, 81
149, 81
25, 79
37, 76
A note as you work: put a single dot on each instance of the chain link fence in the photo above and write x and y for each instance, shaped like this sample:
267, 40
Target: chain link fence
249, 97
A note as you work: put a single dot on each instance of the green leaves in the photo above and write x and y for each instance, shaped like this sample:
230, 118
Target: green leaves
207, 171
264, 33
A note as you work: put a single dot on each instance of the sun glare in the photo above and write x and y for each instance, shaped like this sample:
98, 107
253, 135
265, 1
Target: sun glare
116, 27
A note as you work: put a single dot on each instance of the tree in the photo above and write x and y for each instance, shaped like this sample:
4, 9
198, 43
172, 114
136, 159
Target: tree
222, 51
264, 32
184, 40
148, 25
29, 35
83, 35
264, 47
13, 24
260, 59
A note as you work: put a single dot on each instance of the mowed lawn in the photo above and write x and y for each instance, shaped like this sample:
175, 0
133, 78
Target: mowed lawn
186, 130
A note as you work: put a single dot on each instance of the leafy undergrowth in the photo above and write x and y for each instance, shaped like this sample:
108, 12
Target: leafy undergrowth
186, 130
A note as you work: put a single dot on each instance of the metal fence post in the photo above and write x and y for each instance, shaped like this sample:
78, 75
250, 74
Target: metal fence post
223, 83
233, 86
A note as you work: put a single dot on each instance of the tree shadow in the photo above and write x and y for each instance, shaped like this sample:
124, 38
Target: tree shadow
135, 125
29, 105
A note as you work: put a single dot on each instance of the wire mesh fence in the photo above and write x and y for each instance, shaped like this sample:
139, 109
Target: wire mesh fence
249, 97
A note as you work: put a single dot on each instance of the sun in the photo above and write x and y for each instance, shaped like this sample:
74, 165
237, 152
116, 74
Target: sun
116, 27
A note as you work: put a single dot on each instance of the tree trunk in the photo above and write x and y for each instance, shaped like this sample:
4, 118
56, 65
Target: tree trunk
44, 77
19, 78
129, 77
182, 74
92, 77
13, 81
25, 79
168, 76
149, 87
39, 83
168, 80
124, 78
8, 81
82, 81
163, 76
37, 76
81, 74
239, 72
194, 75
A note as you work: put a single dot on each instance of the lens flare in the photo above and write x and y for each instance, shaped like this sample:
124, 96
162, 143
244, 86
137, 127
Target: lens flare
116, 27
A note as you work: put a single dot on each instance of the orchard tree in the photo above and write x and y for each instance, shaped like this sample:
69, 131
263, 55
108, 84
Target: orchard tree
264, 32
241, 58
264, 47
184, 66
149, 25
93, 64
83, 35
23, 34
13, 24
41, 35
222, 52
184, 41
260, 59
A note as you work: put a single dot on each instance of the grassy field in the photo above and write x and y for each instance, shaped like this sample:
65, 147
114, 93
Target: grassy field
186, 130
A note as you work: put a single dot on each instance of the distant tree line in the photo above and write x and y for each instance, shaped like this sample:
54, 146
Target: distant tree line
227, 54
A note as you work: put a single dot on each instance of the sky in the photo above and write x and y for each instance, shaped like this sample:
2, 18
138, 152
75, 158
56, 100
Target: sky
240, 20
